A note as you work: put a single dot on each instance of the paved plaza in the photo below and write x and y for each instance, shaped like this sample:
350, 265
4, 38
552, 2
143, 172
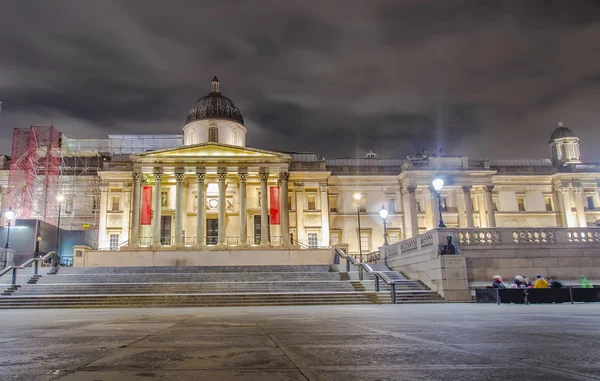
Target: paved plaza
401, 342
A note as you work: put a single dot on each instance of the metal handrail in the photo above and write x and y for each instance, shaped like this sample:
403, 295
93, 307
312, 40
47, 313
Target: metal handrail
379, 275
51, 255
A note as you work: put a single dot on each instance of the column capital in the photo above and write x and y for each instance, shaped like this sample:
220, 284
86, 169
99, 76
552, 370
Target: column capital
200, 176
104, 187
409, 189
243, 176
137, 176
299, 186
126, 189
158, 176
577, 189
467, 188
323, 187
264, 176
488, 188
222, 174
179, 177
284, 176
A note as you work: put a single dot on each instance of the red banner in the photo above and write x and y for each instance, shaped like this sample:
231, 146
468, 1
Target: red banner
274, 206
146, 217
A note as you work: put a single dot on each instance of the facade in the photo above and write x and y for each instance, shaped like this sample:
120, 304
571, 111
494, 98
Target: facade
205, 189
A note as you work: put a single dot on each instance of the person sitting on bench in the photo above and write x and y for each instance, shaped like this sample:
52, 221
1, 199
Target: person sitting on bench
498, 283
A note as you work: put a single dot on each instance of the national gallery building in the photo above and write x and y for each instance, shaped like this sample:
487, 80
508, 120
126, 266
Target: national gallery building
205, 189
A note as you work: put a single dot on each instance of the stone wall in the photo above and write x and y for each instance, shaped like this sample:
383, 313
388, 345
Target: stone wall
240, 257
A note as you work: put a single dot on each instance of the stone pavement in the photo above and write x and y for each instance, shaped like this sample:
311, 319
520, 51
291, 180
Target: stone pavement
381, 342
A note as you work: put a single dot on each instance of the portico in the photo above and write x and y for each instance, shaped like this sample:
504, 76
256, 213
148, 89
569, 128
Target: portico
202, 190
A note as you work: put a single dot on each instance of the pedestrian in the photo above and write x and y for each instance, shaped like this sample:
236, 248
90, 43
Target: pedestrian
497, 282
553, 283
540, 282
585, 282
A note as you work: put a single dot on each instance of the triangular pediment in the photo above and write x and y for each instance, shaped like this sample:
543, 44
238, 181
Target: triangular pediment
212, 151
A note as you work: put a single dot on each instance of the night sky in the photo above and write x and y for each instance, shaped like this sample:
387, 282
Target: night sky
335, 77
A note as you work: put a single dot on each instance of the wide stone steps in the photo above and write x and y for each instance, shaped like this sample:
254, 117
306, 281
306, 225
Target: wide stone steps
194, 269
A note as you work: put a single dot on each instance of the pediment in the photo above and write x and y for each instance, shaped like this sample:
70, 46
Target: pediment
212, 151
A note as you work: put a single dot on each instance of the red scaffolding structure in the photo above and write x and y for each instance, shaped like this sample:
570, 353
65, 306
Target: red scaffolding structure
34, 172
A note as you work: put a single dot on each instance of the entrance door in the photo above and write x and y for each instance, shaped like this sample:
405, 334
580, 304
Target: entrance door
165, 230
212, 231
257, 229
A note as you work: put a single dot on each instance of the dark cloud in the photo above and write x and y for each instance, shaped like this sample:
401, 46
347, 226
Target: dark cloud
478, 78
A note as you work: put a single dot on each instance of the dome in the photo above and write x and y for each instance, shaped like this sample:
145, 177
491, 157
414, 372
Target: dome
215, 106
562, 132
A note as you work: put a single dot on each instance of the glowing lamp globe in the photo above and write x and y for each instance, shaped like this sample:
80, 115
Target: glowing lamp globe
60, 198
357, 196
383, 213
9, 214
438, 184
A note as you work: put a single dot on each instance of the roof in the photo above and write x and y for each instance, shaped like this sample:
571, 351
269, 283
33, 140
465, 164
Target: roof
562, 132
215, 106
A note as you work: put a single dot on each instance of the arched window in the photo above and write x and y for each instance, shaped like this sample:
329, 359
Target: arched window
213, 135
236, 138
192, 137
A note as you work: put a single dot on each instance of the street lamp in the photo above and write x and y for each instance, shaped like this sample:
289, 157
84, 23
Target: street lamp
9, 215
60, 198
383, 213
357, 197
438, 184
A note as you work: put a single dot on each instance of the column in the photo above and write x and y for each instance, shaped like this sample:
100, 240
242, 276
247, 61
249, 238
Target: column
299, 190
459, 201
102, 241
222, 176
468, 205
284, 208
126, 214
200, 207
580, 207
489, 206
264, 211
323, 189
3, 206
179, 176
243, 177
410, 211
562, 193
135, 215
435, 210
156, 208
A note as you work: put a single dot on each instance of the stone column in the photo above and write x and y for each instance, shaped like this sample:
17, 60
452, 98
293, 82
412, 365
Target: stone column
489, 206
459, 201
126, 214
435, 210
410, 211
299, 190
102, 241
468, 206
156, 208
323, 190
580, 207
222, 176
562, 204
284, 208
243, 176
179, 176
3, 206
135, 215
200, 207
264, 209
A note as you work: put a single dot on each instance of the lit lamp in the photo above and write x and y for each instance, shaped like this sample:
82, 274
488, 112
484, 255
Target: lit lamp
9, 215
438, 184
59, 198
357, 197
383, 213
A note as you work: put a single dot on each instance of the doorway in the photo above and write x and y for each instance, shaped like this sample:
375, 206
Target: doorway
212, 231
165, 230
257, 229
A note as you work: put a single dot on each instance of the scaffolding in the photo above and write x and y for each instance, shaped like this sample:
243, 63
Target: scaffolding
34, 172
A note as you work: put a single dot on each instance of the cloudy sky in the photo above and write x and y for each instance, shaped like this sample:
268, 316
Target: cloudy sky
337, 77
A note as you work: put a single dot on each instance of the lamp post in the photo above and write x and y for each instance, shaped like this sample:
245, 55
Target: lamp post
357, 197
59, 198
383, 213
438, 184
9, 215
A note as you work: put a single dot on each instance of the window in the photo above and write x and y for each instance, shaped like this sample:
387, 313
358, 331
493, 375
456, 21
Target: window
236, 137
164, 198
365, 242
590, 202
335, 238
116, 203
68, 205
259, 198
95, 205
192, 137
312, 202
549, 206
393, 236
521, 203
213, 135
391, 205
313, 241
333, 200
114, 241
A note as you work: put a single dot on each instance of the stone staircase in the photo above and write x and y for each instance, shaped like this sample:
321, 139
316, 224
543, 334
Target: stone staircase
202, 287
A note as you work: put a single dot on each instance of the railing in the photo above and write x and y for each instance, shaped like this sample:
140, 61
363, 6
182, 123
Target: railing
189, 241
306, 244
231, 241
494, 236
373, 257
53, 256
379, 275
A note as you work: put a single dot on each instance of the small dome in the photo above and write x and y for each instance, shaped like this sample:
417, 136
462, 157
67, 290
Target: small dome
215, 106
562, 132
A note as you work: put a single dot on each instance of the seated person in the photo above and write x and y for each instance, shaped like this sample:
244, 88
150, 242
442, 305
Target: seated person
497, 282
555, 284
519, 282
540, 282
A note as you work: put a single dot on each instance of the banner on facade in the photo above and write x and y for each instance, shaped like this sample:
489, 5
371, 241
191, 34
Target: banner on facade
274, 206
146, 217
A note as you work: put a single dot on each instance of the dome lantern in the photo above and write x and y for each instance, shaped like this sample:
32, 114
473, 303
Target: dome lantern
565, 146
